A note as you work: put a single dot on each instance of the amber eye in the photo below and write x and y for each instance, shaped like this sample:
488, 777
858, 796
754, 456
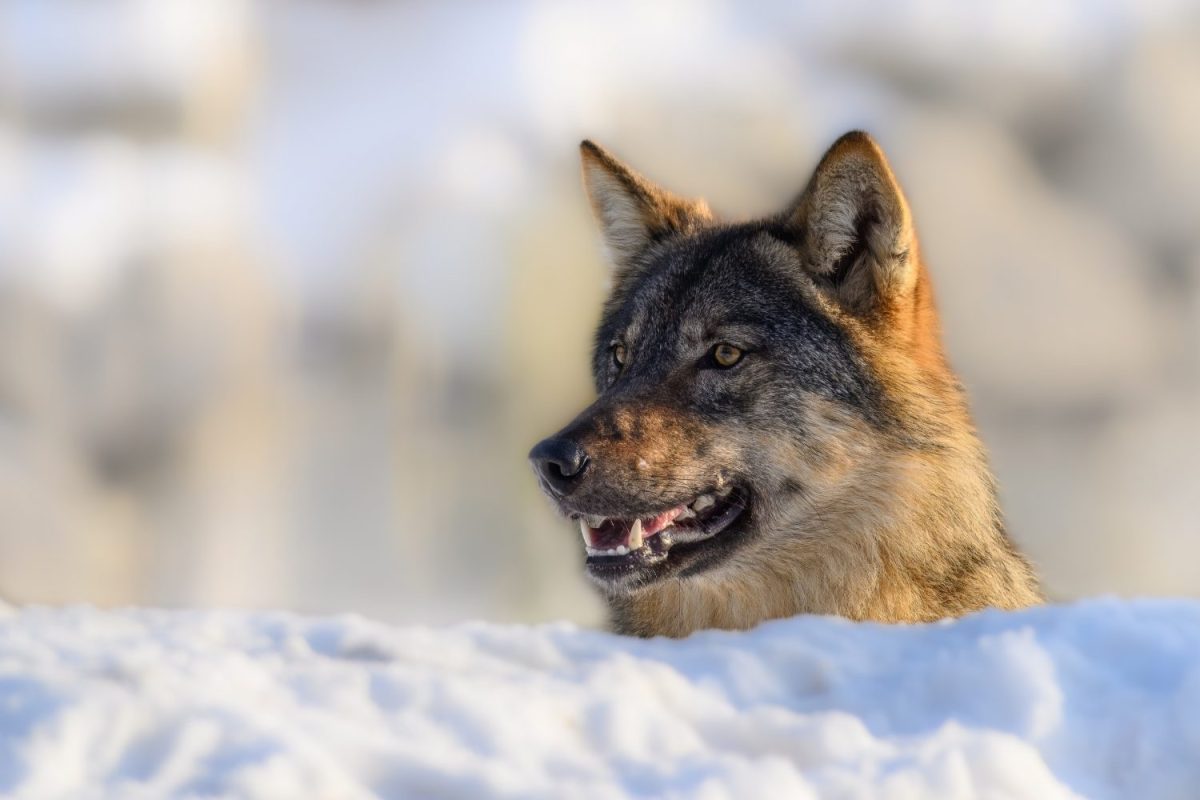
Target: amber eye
726, 355
618, 353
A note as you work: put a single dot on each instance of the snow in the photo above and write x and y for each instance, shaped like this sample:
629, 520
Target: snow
1096, 699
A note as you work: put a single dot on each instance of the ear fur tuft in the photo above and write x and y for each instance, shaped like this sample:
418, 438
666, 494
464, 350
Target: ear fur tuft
856, 225
632, 211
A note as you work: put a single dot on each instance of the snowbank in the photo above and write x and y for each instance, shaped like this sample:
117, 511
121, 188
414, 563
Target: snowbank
1098, 699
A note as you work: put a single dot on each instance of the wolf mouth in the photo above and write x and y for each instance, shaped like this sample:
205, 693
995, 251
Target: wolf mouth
615, 544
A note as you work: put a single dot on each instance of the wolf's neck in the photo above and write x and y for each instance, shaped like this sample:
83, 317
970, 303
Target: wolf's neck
947, 552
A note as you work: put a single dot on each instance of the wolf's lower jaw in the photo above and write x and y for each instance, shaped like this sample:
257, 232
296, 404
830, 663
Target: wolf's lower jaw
645, 540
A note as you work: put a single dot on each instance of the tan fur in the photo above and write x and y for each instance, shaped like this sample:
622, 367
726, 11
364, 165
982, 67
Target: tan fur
894, 528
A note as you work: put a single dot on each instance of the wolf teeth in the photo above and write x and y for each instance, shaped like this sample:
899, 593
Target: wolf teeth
635, 536
702, 502
587, 533
616, 551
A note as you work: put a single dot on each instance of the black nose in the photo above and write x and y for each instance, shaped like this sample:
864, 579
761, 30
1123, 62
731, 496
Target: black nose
559, 463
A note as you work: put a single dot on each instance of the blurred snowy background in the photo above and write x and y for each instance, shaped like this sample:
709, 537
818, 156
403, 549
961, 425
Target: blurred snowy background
289, 289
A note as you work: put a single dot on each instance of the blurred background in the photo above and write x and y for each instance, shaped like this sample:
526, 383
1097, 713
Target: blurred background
287, 290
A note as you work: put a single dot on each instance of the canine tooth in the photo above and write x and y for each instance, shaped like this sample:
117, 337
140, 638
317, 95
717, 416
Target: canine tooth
635, 535
703, 502
586, 531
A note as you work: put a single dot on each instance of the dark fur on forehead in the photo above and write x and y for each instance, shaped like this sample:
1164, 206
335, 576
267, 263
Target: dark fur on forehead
748, 277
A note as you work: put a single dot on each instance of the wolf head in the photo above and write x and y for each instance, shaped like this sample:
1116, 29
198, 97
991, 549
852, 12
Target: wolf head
754, 380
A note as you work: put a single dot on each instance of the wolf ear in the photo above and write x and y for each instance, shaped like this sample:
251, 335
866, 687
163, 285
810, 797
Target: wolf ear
855, 225
633, 212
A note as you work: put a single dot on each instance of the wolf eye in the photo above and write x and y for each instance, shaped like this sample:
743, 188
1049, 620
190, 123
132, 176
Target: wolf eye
726, 355
618, 354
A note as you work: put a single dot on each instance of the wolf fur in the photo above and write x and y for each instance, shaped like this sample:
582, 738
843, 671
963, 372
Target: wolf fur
868, 493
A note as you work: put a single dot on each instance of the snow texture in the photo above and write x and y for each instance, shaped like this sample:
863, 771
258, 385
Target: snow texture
1097, 699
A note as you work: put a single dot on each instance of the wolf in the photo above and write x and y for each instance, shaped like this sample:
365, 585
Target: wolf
777, 429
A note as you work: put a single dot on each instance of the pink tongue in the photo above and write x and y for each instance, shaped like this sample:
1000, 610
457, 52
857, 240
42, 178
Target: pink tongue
616, 532
656, 523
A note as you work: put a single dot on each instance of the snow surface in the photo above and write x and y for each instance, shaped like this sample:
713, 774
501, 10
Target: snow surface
1097, 699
